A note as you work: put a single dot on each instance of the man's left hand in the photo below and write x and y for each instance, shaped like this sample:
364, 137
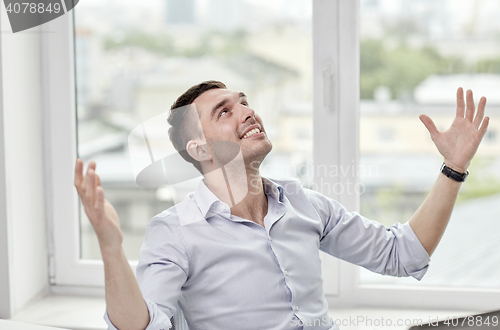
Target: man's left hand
459, 143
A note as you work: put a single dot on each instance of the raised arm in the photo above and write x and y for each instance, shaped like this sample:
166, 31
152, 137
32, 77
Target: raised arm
125, 304
458, 146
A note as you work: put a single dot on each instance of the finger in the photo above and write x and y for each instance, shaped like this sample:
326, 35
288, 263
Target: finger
78, 173
480, 112
99, 201
91, 185
429, 124
98, 180
469, 113
90, 167
460, 103
484, 127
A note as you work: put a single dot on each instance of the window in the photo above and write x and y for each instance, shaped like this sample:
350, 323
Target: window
128, 71
386, 134
133, 60
410, 64
410, 54
491, 136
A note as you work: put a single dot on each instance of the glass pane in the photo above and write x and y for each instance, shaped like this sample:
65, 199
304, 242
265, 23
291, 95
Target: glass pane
133, 59
414, 56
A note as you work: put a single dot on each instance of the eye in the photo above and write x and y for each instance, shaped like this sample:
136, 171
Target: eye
245, 103
223, 112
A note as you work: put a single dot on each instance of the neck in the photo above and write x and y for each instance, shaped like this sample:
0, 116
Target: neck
242, 189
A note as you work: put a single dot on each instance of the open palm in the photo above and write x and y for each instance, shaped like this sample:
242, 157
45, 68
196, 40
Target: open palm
100, 212
459, 143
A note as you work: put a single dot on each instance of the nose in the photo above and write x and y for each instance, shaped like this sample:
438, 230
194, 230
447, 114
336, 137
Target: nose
246, 113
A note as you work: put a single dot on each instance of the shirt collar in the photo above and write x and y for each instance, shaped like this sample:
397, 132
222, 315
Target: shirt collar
273, 189
206, 199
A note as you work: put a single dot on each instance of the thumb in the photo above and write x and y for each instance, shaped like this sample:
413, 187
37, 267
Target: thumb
429, 124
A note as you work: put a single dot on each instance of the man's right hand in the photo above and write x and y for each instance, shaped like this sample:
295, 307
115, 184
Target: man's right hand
125, 305
100, 212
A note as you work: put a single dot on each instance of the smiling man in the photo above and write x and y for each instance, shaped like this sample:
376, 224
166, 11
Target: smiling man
219, 114
248, 258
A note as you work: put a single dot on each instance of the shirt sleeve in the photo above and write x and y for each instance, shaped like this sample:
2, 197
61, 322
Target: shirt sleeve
161, 272
157, 319
393, 250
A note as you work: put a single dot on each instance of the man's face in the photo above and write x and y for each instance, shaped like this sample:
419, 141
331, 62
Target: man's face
226, 116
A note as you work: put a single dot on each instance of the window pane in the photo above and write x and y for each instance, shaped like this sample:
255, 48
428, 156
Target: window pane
414, 56
133, 59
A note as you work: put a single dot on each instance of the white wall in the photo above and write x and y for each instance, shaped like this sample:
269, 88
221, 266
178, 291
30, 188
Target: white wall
4, 251
23, 202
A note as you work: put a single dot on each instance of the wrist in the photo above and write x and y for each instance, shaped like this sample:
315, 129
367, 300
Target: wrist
110, 240
461, 168
111, 251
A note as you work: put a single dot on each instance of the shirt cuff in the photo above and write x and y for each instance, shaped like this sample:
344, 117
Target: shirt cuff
157, 319
412, 251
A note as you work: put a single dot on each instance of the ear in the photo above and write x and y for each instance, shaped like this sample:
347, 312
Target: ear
198, 150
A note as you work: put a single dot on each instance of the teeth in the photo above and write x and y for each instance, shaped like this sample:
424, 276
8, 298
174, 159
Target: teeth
252, 132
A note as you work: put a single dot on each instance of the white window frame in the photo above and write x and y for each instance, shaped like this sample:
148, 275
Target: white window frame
66, 269
336, 105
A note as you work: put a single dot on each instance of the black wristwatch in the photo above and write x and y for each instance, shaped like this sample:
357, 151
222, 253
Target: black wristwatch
454, 175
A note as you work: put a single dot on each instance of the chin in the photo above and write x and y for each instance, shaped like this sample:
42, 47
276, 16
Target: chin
257, 154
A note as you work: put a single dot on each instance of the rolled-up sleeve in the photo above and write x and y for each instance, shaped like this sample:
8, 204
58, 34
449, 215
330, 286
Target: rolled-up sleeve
161, 272
157, 319
393, 250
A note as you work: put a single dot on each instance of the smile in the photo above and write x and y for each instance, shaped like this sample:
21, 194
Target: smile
250, 133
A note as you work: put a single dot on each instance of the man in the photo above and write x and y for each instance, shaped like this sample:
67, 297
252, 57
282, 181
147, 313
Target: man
252, 262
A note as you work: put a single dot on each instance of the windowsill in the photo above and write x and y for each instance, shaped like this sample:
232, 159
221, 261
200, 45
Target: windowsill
86, 313
68, 312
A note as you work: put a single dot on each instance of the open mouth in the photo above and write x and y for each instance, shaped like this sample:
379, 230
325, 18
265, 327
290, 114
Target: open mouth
250, 133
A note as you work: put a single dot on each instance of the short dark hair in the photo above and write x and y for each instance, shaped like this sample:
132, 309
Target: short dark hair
181, 121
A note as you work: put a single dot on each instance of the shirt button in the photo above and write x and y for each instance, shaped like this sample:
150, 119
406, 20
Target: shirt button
286, 272
270, 238
296, 308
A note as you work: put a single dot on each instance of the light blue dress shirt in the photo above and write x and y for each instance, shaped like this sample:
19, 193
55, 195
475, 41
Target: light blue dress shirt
226, 272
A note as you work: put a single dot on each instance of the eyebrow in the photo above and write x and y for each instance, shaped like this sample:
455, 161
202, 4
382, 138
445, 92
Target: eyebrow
222, 103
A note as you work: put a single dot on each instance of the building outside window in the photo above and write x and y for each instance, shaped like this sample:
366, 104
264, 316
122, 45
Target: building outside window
414, 55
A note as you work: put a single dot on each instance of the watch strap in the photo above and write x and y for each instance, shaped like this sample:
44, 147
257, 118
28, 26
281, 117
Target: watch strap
452, 174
